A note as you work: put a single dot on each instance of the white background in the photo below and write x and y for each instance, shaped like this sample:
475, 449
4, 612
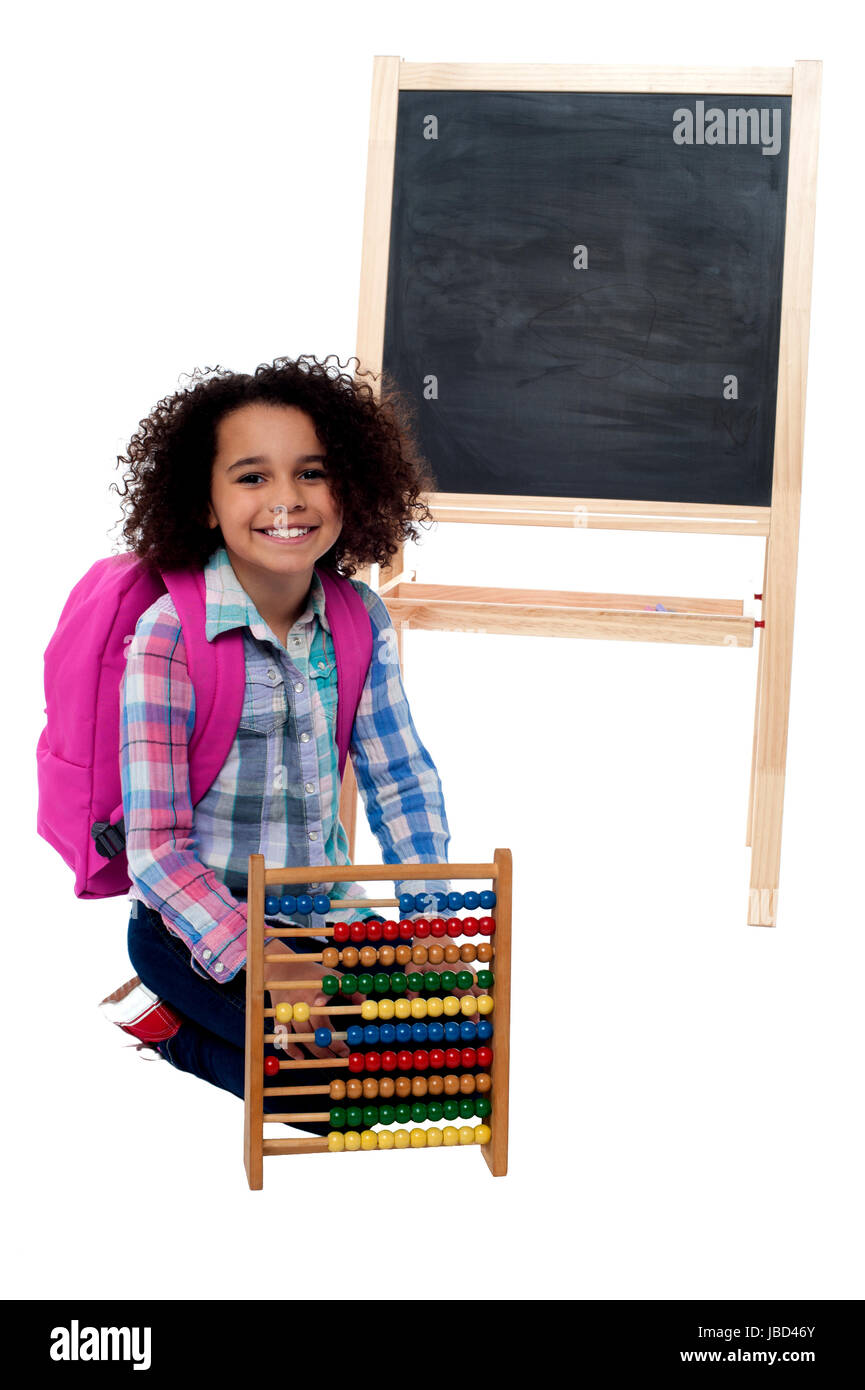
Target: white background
185, 187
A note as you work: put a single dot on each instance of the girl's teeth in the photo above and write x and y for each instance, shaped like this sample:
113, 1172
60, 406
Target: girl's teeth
284, 535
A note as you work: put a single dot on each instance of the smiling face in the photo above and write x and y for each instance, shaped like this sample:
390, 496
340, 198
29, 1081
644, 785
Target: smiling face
269, 474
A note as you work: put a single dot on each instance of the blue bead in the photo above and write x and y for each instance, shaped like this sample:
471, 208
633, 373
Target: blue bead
485, 1029
422, 902
355, 1035
321, 902
406, 903
370, 1034
435, 1032
287, 904
322, 1037
471, 900
403, 1032
488, 898
304, 903
441, 901
468, 1032
387, 1033
271, 906
418, 1032
455, 901
452, 1031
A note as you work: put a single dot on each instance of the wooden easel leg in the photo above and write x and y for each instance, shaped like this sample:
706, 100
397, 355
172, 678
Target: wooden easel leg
749, 828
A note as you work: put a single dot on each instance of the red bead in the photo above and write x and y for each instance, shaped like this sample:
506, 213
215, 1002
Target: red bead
388, 1061
421, 928
485, 1056
404, 1061
468, 1057
340, 931
357, 931
390, 931
470, 926
271, 1066
373, 931
406, 930
436, 1057
421, 1060
355, 1061
452, 1057
487, 926
373, 1061
455, 926
437, 926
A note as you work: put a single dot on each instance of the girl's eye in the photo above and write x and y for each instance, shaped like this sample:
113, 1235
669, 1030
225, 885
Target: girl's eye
307, 473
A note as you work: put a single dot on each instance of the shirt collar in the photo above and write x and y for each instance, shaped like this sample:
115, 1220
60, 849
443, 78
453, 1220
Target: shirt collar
228, 605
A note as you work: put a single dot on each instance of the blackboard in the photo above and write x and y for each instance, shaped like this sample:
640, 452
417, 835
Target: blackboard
533, 378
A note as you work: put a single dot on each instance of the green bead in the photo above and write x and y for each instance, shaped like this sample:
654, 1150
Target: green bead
364, 984
431, 981
402, 1114
398, 982
370, 1116
419, 1112
330, 984
451, 1109
385, 1114
467, 1108
415, 981
485, 979
381, 983
483, 1106
337, 1117
465, 979
434, 1110
354, 1117
448, 981
349, 984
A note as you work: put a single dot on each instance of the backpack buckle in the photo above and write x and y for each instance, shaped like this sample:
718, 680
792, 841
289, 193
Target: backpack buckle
108, 839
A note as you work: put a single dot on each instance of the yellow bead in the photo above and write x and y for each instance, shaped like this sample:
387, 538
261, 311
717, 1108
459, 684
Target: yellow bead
284, 1013
369, 1140
468, 1005
451, 1005
434, 1007
450, 1135
433, 1137
352, 1139
418, 1138
335, 1142
483, 1134
485, 1004
301, 1013
418, 1008
467, 1134
384, 1138
402, 1008
369, 1008
401, 1139
385, 1008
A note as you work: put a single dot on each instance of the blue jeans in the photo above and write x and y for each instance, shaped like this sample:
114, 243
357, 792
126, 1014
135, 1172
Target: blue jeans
210, 1042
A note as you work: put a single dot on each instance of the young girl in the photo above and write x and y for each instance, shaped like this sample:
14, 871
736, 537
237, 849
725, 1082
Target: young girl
259, 479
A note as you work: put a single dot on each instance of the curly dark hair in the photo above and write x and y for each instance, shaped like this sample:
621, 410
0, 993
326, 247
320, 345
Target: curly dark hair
375, 470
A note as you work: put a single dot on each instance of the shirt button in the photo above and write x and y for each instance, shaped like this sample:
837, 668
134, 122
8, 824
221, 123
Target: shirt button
207, 954
272, 673
304, 738
322, 664
296, 641
310, 786
217, 967
298, 685
313, 834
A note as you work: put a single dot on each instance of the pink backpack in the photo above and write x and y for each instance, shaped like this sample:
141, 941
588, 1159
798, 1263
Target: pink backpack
80, 808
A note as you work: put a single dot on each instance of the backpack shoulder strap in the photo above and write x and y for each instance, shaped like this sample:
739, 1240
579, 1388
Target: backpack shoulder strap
351, 630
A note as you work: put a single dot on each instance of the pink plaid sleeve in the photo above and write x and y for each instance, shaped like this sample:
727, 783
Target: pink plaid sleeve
157, 716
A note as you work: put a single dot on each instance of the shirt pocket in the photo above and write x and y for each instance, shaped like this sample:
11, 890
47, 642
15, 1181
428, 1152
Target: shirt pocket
265, 703
322, 677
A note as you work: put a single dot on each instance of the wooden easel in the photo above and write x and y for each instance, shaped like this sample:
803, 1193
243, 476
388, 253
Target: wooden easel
623, 617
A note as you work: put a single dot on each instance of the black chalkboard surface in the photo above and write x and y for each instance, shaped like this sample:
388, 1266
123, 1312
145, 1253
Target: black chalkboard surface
531, 377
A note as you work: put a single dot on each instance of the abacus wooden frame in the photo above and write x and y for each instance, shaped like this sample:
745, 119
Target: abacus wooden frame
500, 874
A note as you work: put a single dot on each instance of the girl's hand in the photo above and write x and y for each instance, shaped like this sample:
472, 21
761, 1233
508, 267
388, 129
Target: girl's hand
299, 968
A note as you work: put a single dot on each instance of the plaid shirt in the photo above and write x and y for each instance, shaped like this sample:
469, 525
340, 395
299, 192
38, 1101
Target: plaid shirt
277, 793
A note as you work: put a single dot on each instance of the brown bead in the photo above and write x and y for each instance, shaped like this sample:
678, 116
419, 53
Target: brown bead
452, 953
418, 955
337, 1090
403, 954
403, 1086
330, 957
353, 1089
435, 953
349, 957
386, 1087
467, 1084
419, 1086
467, 951
483, 1081
435, 1085
368, 955
370, 1087
386, 955
485, 950
452, 1085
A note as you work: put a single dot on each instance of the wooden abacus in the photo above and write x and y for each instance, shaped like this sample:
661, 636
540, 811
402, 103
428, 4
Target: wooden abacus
476, 1065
